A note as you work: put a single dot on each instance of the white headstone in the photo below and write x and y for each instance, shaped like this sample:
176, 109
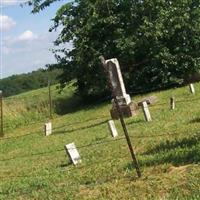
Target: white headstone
146, 111
113, 130
48, 128
172, 103
73, 153
192, 90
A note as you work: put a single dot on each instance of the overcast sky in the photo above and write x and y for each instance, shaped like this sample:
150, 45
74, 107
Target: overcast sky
25, 40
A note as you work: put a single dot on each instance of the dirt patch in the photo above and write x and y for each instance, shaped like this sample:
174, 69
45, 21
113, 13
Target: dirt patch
180, 169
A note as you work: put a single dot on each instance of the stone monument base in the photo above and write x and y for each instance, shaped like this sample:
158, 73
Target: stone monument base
127, 110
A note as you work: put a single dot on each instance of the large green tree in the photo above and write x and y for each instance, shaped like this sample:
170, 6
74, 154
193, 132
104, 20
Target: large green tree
157, 42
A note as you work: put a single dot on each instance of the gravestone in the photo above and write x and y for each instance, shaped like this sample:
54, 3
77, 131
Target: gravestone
172, 103
127, 107
73, 153
48, 128
192, 90
112, 128
146, 112
150, 100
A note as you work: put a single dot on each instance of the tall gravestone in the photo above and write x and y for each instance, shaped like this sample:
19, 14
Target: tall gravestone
127, 107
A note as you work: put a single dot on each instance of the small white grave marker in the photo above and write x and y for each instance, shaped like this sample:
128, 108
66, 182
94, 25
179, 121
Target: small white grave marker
48, 128
192, 90
146, 111
112, 128
73, 153
172, 103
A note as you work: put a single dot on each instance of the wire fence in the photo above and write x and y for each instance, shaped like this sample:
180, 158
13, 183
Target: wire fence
172, 133
106, 98
93, 119
71, 184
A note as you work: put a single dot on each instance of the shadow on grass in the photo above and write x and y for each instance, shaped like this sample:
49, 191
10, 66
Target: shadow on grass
135, 121
66, 165
196, 120
81, 122
177, 152
74, 103
81, 128
169, 145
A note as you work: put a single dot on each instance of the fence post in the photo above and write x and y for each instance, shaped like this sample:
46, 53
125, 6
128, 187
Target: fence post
50, 100
1, 104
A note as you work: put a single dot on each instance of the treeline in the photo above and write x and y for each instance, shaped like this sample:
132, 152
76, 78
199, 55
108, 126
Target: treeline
25, 82
156, 42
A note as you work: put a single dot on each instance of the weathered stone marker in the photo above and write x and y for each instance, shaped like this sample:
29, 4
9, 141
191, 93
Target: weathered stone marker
146, 111
150, 100
127, 107
73, 154
192, 90
172, 103
112, 128
48, 128
120, 116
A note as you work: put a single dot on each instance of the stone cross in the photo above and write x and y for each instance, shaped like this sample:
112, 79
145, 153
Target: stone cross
48, 128
112, 128
117, 82
146, 111
73, 153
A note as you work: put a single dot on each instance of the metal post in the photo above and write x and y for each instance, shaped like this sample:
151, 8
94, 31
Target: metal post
135, 162
50, 100
1, 104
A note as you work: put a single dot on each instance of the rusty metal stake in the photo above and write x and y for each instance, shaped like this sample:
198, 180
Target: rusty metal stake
135, 162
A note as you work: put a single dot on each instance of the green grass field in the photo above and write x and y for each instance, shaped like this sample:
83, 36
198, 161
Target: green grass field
33, 166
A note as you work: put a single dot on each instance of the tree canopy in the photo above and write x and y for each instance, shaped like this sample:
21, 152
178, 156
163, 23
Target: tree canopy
157, 42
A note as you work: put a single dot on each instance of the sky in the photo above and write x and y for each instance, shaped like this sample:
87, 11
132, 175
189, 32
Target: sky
25, 41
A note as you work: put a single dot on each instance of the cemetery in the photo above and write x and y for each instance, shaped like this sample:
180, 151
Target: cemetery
86, 151
111, 109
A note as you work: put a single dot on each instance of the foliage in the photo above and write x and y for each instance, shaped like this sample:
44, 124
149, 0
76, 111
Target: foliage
156, 41
25, 82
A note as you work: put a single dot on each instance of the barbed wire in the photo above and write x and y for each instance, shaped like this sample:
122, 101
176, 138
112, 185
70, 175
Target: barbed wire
94, 144
173, 133
19, 136
80, 166
101, 117
135, 92
56, 128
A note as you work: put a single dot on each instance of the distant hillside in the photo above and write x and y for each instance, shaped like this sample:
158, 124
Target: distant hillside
17, 84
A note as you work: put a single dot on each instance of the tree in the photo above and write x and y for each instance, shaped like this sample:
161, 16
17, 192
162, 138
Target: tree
156, 41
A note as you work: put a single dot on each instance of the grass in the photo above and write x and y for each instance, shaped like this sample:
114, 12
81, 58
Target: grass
33, 166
